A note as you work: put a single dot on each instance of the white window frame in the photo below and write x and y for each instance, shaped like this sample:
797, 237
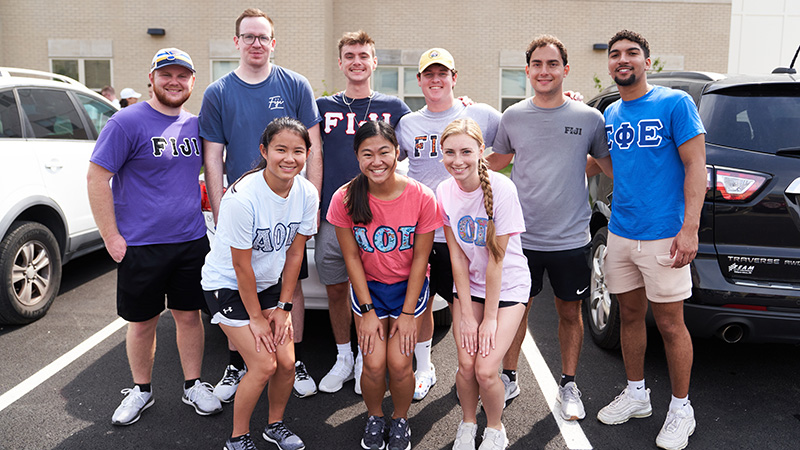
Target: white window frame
528, 88
211, 66
82, 68
401, 83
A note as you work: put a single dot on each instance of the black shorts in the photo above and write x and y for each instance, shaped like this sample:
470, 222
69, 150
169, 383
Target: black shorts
304, 266
441, 279
482, 301
147, 273
570, 272
228, 302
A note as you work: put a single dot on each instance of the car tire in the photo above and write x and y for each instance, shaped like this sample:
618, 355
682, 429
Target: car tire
30, 264
602, 307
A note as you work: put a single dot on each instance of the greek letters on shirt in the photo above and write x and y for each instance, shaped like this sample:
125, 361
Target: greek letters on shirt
266, 240
385, 239
473, 230
429, 140
187, 148
333, 119
646, 133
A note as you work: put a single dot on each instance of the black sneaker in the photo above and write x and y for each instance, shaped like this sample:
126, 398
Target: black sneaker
240, 443
373, 434
399, 435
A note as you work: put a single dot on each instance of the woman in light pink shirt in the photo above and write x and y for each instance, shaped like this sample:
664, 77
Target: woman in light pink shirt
482, 223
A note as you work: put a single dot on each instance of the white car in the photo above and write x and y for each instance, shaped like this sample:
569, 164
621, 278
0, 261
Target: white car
48, 127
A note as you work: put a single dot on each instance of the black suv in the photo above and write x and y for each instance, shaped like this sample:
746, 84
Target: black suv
746, 275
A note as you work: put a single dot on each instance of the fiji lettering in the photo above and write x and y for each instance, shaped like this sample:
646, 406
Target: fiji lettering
189, 147
332, 120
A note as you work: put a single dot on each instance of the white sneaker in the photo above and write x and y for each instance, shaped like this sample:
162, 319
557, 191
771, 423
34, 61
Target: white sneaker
341, 371
494, 439
304, 385
357, 369
512, 388
465, 436
680, 424
130, 410
202, 399
624, 407
225, 390
424, 381
569, 397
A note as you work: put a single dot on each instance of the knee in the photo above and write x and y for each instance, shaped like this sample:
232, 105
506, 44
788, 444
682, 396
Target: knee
262, 371
399, 370
486, 374
466, 369
187, 318
374, 368
286, 365
571, 315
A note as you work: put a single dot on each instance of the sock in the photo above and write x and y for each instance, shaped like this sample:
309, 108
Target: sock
235, 359
423, 354
144, 387
566, 379
511, 374
678, 403
298, 351
239, 438
344, 349
637, 390
189, 383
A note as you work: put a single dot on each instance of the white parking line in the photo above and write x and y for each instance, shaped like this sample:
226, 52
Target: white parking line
570, 430
54, 367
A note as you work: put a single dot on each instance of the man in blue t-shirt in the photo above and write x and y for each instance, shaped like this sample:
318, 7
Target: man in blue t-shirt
152, 226
657, 145
342, 115
235, 111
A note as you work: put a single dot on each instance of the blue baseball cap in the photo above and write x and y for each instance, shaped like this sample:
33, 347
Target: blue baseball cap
171, 56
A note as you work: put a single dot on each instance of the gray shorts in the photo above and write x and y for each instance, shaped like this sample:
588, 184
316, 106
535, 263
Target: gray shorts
328, 256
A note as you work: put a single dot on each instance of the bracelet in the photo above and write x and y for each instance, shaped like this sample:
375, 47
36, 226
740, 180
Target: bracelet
408, 314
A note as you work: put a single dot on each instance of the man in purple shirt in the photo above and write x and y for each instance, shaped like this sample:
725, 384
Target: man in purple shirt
152, 226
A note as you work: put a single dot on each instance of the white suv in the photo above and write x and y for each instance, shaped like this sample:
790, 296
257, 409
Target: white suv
48, 127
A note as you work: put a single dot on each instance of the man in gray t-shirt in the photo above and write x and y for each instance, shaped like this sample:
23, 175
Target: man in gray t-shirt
552, 138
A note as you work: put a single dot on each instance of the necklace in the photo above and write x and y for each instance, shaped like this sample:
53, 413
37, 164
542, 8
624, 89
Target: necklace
353, 100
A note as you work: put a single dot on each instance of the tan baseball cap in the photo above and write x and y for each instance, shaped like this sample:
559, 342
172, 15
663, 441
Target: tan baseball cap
436, 56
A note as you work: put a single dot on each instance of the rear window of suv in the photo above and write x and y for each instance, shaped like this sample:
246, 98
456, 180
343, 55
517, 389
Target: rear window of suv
764, 118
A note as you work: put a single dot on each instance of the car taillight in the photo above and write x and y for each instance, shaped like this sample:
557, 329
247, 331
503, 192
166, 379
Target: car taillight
205, 205
736, 185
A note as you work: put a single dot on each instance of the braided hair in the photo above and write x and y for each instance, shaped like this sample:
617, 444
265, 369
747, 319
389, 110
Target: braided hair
471, 128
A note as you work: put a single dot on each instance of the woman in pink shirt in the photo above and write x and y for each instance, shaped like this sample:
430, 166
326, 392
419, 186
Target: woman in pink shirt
385, 223
482, 223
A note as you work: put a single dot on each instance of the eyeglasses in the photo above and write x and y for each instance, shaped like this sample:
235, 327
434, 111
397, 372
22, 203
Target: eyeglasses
250, 39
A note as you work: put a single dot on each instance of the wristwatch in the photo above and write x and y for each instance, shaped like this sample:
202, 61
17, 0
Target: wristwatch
367, 307
285, 306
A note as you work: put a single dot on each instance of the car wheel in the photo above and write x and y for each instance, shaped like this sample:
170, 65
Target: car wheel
30, 264
602, 307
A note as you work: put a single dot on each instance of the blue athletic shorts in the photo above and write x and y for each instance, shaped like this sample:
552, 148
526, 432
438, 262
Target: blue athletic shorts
389, 298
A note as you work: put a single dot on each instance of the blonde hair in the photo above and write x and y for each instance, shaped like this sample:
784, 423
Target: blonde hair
471, 128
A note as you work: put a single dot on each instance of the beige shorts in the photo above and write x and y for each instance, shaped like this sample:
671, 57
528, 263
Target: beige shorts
631, 264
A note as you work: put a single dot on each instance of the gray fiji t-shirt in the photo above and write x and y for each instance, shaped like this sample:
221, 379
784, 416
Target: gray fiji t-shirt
550, 147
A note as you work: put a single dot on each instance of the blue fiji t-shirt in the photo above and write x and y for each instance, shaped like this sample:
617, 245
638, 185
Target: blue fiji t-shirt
236, 113
643, 138
340, 121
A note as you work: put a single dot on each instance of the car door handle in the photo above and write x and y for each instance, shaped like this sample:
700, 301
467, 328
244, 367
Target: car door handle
54, 165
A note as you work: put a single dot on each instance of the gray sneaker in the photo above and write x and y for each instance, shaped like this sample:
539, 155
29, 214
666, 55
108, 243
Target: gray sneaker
569, 399
244, 443
512, 388
201, 397
624, 407
130, 410
284, 438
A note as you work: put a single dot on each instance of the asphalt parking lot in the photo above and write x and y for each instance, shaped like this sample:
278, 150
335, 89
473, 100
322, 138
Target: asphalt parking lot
57, 393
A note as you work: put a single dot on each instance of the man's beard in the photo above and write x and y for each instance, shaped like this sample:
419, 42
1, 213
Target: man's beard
625, 81
161, 95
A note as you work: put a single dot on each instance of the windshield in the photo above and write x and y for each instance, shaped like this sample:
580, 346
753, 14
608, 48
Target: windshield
763, 118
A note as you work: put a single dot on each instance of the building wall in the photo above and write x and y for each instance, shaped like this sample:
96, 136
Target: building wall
686, 34
756, 22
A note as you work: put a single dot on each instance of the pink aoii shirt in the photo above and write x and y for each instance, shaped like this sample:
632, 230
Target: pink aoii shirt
386, 244
464, 213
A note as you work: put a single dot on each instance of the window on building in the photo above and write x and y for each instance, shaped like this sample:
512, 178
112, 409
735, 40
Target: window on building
400, 82
94, 73
514, 87
222, 67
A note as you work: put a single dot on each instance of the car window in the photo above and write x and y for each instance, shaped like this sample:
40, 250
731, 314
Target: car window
9, 116
51, 114
99, 112
762, 118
